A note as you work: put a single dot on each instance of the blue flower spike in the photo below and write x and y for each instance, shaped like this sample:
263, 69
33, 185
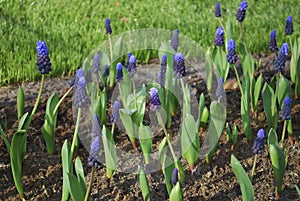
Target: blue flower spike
174, 40
218, 10
219, 39
119, 75
43, 61
241, 12
179, 65
231, 56
154, 100
258, 145
273, 43
107, 26
289, 26
115, 112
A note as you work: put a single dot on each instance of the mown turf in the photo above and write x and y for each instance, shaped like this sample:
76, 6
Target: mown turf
73, 28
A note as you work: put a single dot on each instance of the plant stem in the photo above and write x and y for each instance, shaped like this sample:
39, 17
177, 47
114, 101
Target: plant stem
134, 94
238, 79
113, 129
75, 137
253, 168
275, 96
283, 134
38, 99
88, 191
61, 100
167, 136
112, 71
243, 38
182, 86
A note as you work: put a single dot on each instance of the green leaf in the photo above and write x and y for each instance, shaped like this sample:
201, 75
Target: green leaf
66, 168
216, 126
23, 123
256, 92
208, 69
7, 144
181, 176
272, 137
130, 127
284, 90
80, 174
235, 134
75, 188
268, 102
221, 64
245, 107
16, 159
143, 184
176, 193
201, 107
294, 60
138, 116
110, 152
20, 102
145, 137
190, 145
186, 102
243, 179
298, 190
48, 128
278, 163
205, 115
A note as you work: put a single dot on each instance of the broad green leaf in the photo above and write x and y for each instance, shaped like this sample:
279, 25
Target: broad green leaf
145, 137
216, 126
268, 102
243, 179
117, 47
138, 116
284, 90
208, 69
201, 107
181, 175
256, 92
7, 144
205, 115
125, 88
125, 116
66, 168
245, 107
110, 152
75, 188
20, 102
186, 101
278, 163
48, 128
16, 159
221, 64
176, 193
23, 124
190, 145
294, 59
80, 174
272, 137
143, 184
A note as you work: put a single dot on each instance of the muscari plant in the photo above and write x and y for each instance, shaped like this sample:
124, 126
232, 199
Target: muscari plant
18, 146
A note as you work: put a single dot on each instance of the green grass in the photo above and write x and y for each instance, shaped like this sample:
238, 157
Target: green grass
72, 30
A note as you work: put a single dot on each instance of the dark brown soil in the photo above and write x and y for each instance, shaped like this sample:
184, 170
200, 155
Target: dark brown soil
42, 174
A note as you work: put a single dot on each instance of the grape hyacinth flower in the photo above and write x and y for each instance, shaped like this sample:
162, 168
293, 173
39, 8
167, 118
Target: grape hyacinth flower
128, 57
43, 61
273, 44
154, 100
161, 79
119, 75
286, 109
96, 64
279, 63
231, 57
179, 66
163, 64
81, 98
107, 26
258, 145
79, 73
220, 89
217, 9
96, 128
174, 40
174, 178
289, 26
105, 70
132, 65
94, 159
115, 112
241, 12
219, 39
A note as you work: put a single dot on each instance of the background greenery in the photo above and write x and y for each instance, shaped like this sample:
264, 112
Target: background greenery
73, 28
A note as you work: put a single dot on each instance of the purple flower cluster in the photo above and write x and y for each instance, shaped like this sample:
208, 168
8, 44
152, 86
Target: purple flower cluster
174, 178
286, 109
174, 40
119, 75
273, 44
220, 89
231, 56
279, 63
107, 26
217, 10
241, 12
179, 65
154, 100
289, 26
43, 61
132, 65
80, 98
96, 64
115, 112
258, 145
219, 39
94, 159
163, 68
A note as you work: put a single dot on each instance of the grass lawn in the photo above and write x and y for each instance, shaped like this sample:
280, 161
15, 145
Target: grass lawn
73, 28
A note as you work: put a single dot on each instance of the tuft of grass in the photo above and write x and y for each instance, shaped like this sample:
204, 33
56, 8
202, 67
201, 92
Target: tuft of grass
73, 29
